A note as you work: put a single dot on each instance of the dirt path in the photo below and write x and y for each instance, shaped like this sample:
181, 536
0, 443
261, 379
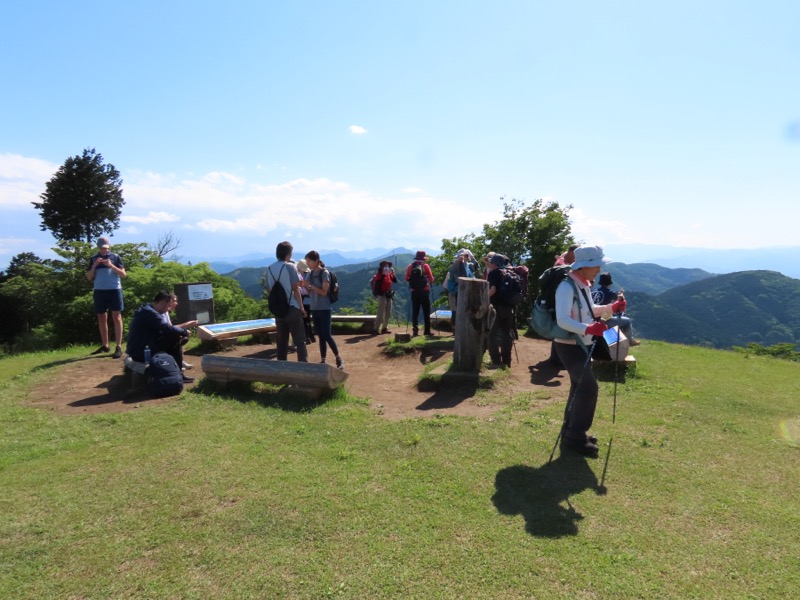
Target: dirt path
96, 385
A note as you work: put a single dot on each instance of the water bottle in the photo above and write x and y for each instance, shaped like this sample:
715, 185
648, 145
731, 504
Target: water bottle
147, 354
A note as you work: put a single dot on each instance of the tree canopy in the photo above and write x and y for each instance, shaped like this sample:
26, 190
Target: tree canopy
83, 199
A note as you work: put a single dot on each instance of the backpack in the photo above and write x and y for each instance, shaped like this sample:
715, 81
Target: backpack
376, 285
510, 290
333, 287
278, 299
522, 272
417, 279
452, 283
164, 377
543, 315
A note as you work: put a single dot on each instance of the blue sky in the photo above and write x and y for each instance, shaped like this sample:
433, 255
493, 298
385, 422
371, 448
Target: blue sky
354, 125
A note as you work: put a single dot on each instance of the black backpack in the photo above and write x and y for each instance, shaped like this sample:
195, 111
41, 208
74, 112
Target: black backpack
416, 278
510, 290
543, 315
333, 287
278, 299
164, 377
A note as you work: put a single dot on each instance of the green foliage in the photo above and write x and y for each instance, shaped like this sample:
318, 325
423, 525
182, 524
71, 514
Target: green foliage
782, 351
83, 199
52, 301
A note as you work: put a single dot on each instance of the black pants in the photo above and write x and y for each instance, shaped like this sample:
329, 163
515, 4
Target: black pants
501, 335
579, 414
172, 344
421, 299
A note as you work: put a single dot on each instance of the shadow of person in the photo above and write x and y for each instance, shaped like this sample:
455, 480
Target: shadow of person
545, 374
541, 495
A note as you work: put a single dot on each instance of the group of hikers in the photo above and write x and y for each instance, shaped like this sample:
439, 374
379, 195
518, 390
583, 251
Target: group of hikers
302, 293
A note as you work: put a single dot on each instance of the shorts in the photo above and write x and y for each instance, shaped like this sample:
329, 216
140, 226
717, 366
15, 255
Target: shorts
108, 300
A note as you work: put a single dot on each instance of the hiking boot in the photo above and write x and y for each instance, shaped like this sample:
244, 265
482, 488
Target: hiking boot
591, 439
339, 363
586, 448
385, 331
187, 366
187, 379
634, 342
415, 333
102, 350
117, 352
323, 361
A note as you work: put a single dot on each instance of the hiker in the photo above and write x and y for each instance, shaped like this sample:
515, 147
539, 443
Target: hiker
318, 282
382, 290
149, 329
503, 331
420, 277
106, 272
173, 304
464, 265
577, 315
605, 295
284, 272
302, 272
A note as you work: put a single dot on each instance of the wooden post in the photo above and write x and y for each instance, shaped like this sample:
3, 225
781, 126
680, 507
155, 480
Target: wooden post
472, 324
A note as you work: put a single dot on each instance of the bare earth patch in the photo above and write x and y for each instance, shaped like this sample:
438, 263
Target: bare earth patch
96, 384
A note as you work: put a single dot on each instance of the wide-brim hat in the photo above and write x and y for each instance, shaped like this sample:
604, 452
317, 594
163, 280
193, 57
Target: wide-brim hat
385, 263
420, 255
499, 260
465, 252
302, 266
588, 256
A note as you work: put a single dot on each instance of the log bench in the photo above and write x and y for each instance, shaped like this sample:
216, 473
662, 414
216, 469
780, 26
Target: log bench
367, 321
309, 379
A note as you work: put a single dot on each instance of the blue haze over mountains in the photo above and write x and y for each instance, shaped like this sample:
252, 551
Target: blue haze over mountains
785, 260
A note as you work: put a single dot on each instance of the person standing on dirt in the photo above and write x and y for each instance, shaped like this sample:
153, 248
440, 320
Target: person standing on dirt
382, 290
420, 277
106, 272
578, 314
317, 283
285, 271
503, 331
464, 265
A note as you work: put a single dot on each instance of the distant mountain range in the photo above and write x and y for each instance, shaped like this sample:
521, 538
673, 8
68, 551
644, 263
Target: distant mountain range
784, 260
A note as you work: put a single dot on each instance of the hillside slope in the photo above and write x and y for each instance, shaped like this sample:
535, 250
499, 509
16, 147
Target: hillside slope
722, 311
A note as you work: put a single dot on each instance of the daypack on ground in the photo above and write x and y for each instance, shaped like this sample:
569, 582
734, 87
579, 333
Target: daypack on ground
543, 314
510, 290
333, 287
278, 299
164, 377
416, 278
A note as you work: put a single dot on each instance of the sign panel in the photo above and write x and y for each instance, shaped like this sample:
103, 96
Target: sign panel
200, 291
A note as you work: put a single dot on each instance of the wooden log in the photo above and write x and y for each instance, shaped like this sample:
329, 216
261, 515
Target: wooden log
283, 372
472, 324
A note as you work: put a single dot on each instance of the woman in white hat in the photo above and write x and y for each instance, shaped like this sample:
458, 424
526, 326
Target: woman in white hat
577, 314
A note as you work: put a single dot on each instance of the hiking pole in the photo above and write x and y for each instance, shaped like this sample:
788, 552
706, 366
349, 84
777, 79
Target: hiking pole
572, 397
616, 377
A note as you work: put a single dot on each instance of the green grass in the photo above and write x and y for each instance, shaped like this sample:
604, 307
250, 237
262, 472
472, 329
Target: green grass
253, 496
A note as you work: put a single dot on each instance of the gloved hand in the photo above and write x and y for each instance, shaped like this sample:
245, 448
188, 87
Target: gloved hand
596, 328
619, 306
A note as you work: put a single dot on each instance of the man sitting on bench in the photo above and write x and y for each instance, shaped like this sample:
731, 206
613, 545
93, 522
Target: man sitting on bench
148, 328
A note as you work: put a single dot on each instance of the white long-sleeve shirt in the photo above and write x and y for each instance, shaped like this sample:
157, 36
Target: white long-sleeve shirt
572, 313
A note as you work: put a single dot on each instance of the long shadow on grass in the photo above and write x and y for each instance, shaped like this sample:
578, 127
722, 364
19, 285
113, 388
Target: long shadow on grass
541, 494
276, 396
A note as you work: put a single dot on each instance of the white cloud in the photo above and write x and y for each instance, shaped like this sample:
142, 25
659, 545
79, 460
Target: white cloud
151, 218
357, 130
23, 179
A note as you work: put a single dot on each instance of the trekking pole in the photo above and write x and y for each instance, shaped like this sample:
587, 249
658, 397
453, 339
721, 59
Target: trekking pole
616, 377
571, 398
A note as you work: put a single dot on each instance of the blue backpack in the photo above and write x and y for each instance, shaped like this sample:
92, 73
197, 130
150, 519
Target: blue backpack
164, 377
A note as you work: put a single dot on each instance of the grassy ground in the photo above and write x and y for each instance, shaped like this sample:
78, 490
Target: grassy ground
227, 497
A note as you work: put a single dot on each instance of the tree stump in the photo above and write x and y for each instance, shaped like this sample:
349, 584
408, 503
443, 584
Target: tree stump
472, 324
